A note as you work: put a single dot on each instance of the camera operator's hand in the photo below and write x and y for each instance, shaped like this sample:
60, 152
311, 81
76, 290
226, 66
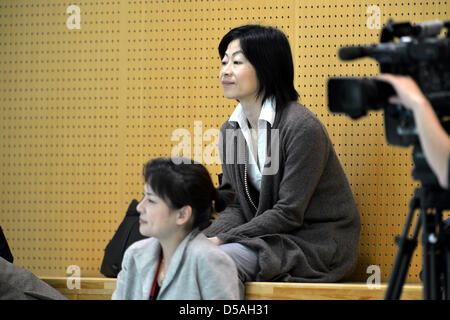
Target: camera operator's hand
408, 92
433, 138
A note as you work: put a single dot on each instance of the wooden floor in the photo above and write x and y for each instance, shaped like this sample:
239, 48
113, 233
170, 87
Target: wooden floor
102, 289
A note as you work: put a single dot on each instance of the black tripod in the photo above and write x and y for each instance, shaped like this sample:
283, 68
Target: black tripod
435, 246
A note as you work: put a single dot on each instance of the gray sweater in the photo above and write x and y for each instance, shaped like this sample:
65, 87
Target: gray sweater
199, 270
306, 227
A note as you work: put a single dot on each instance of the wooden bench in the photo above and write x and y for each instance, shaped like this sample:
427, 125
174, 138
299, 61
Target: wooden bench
102, 289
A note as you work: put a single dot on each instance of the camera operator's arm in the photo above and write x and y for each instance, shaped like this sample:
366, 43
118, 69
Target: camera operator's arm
434, 140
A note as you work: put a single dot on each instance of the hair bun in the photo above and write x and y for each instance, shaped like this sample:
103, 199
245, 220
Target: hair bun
223, 196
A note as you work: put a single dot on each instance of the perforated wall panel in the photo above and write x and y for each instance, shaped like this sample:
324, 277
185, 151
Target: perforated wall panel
91, 90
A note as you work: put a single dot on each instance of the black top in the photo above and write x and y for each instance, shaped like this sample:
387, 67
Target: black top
155, 293
448, 178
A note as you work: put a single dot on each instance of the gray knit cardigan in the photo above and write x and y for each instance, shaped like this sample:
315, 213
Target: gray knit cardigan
306, 227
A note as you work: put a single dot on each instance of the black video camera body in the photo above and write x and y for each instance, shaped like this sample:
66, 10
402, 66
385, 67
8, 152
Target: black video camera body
421, 54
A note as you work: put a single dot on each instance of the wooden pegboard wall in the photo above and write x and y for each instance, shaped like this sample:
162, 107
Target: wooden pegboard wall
83, 109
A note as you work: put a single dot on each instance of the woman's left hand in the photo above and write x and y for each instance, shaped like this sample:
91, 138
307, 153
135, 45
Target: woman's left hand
216, 241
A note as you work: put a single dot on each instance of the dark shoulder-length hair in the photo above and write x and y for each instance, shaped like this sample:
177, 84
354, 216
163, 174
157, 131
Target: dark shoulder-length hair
269, 52
180, 182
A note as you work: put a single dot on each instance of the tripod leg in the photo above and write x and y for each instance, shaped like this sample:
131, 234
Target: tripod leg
403, 257
446, 257
445, 254
446, 264
431, 261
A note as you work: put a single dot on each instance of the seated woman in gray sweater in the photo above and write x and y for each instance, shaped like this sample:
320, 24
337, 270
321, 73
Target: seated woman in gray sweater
177, 262
295, 218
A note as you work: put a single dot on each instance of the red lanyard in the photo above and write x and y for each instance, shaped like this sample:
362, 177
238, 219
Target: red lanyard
156, 279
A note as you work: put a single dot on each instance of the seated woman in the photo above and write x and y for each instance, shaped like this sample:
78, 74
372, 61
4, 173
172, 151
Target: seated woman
295, 218
177, 262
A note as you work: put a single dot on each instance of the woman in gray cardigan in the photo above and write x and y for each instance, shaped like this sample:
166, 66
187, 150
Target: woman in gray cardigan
177, 262
295, 218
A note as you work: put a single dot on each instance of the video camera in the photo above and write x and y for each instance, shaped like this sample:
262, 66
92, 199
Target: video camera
421, 54
424, 56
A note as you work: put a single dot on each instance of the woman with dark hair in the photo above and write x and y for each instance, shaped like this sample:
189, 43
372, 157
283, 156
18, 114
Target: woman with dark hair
178, 262
294, 218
